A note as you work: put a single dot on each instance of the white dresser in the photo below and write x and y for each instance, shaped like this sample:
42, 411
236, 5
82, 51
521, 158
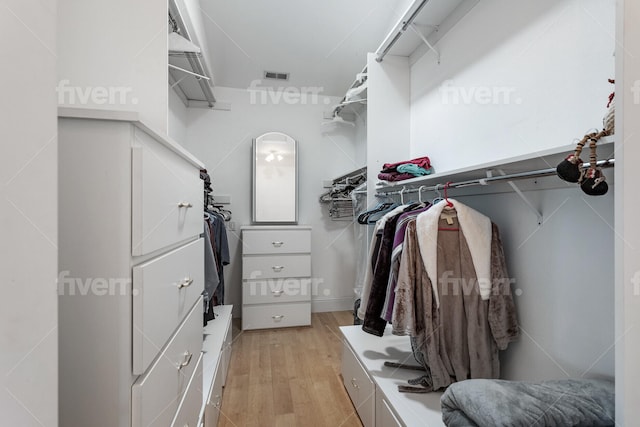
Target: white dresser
276, 276
131, 274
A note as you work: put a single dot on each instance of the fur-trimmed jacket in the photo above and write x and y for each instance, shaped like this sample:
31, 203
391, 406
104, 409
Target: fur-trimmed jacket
459, 321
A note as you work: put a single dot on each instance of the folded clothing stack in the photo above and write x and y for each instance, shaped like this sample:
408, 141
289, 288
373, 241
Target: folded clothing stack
407, 169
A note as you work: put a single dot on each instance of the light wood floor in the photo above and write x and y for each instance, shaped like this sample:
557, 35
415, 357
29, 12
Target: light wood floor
289, 377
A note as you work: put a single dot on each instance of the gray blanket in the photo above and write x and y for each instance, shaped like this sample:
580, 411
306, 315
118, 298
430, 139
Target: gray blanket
499, 403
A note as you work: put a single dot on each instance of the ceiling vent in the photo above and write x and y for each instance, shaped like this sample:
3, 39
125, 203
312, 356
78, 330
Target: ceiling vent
276, 76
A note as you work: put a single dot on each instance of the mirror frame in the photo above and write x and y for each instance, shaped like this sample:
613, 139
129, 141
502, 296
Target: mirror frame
255, 216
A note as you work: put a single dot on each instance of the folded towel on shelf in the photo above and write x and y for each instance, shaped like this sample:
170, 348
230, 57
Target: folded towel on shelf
423, 162
500, 403
394, 176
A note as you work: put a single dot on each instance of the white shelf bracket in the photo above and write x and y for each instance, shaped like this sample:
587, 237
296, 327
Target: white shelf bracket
424, 39
523, 197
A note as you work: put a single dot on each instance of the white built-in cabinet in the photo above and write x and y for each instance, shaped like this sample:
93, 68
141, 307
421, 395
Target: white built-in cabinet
276, 276
131, 278
373, 387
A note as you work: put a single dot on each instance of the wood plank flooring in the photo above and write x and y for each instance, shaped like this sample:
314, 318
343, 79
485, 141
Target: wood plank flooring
288, 377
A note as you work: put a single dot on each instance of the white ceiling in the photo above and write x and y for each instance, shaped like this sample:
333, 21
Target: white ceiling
320, 43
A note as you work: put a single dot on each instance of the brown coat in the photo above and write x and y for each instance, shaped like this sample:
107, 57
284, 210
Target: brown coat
456, 332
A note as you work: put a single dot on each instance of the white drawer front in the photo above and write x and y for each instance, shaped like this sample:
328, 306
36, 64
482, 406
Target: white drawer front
189, 410
214, 399
359, 386
164, 290
225, 358
276, 291
275, 266
384, 414
167, 196
284, 241
155, 396
276, 315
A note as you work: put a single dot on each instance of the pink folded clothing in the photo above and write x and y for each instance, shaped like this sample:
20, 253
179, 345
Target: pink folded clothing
394, 176
423, 162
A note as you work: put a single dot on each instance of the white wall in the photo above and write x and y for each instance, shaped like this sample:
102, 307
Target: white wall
28, 215
177, 124
507, 87
564, 280
513, 86
222, 140
113, 55
388, 114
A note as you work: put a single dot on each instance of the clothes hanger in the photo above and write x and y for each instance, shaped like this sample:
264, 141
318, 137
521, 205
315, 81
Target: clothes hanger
446, 197
438, 195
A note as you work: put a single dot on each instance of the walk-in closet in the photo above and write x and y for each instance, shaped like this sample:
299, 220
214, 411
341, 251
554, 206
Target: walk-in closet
368, 213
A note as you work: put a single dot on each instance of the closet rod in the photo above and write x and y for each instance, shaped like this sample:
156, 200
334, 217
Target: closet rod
486, 181
386, 46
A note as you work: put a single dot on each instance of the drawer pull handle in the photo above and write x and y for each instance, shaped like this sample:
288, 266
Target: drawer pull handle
278, 317
354, 383
277, 293
185, 283
278, 268
187, 359
277, 244
185, 205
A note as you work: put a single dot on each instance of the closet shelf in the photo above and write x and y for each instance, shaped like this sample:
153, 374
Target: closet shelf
523, 164
422, 25
189, 73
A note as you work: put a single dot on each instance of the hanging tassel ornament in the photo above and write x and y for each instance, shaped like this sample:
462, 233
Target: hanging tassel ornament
570, 168
593, 182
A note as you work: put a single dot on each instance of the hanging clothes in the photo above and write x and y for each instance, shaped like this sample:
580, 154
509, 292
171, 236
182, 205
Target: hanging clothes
453, 295
396, 256
374, 248
211, 277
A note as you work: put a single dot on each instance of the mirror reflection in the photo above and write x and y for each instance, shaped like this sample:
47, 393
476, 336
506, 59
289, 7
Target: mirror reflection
275, 179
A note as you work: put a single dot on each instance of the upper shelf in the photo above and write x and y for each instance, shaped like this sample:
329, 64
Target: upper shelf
514, 165
189, 74
424, 20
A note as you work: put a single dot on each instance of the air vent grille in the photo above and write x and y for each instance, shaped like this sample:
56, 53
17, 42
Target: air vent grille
273, 75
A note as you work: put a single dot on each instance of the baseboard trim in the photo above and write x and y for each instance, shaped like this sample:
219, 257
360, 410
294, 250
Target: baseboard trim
331, 304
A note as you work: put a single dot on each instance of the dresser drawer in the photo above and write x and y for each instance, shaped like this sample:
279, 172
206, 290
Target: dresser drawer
276, 291
384, 414
276, 315
164, 290
155, 395
359, 385
214, 398
276, 266
167, 197
274, 241
189, 410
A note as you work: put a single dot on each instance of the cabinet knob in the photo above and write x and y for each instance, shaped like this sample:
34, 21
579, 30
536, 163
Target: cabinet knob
185, 205
354, 383
277, 244
187, 359
185, 283
278, 268
278, 317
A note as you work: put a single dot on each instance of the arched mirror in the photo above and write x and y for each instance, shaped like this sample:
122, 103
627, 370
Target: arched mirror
275, 179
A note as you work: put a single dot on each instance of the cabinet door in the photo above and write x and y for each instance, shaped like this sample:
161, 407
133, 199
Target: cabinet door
360, 387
